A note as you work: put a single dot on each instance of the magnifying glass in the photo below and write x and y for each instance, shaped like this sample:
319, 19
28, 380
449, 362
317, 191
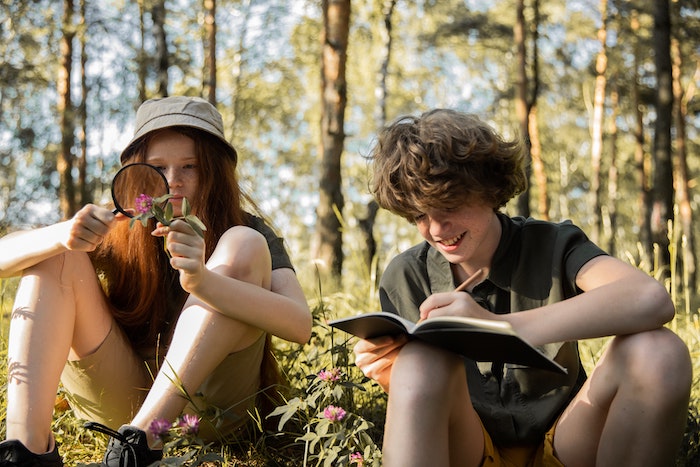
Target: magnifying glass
136, 186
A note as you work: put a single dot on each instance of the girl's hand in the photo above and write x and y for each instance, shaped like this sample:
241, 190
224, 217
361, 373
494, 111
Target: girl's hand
453, 304
375, 357
88, 227
186, 250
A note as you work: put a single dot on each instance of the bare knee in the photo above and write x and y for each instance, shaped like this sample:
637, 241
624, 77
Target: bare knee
422, 373
63, 268
657, 361
242, 253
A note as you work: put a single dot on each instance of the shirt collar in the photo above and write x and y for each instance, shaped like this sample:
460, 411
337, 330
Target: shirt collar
440, 272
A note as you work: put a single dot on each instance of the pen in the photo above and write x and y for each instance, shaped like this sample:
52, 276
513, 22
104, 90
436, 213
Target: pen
470, 280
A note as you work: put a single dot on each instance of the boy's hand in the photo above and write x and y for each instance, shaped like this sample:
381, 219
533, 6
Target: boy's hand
375, 357
453, 304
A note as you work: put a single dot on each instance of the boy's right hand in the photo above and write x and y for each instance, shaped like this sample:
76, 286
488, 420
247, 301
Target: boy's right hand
88, 227
375, 357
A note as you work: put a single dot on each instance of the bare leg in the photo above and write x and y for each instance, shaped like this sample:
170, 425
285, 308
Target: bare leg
49, 321
204, 337
430, 419
633, 408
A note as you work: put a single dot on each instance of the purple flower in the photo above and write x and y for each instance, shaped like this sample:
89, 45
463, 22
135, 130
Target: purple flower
357, 459
144, 203
333, 413
189, 423
329, 375
159, 427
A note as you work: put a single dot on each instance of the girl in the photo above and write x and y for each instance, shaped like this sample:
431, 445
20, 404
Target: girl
139, 327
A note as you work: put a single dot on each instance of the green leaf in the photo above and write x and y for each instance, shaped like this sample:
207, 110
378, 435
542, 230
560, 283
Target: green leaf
185, 207
197, 229
162, 199
195, 220
168, 214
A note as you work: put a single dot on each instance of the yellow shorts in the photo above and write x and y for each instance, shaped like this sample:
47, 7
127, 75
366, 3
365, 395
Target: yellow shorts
110, 385
541, 455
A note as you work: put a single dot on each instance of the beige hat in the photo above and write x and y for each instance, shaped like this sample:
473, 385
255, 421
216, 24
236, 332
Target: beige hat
195, 112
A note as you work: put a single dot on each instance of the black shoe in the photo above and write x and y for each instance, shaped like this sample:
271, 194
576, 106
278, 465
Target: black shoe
15, 454
127, 448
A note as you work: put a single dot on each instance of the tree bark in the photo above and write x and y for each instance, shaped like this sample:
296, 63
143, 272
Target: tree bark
64, 165
597, 122
642, 160
367, 223
662, 207
683, 197
209, 74
162, 57
610, 217
334, 43
83, 184
522, 108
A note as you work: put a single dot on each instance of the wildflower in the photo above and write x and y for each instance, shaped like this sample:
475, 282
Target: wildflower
329, 375
144, 203
159, 427
333, 413
357, 459
189, 424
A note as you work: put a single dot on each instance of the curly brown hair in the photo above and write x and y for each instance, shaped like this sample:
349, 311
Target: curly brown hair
442, 159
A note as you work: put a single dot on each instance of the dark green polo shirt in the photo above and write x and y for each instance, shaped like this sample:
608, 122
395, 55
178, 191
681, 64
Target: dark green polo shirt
535, 264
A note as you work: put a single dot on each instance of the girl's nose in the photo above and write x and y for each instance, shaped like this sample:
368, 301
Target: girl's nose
173, 176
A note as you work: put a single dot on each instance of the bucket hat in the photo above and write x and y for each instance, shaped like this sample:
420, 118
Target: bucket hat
195, 112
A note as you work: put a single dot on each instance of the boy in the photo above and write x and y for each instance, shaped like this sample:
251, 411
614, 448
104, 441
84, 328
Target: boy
449, 174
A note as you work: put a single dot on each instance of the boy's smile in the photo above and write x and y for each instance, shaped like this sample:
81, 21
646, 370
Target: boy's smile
468, 234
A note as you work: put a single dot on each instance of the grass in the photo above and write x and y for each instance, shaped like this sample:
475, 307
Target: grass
298, 433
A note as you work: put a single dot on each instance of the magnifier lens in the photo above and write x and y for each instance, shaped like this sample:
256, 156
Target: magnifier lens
135, 186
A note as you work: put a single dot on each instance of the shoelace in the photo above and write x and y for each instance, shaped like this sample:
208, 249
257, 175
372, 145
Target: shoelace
126, 442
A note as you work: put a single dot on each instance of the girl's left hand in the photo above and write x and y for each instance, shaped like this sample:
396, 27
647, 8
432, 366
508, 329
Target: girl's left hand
453, 304
186, 250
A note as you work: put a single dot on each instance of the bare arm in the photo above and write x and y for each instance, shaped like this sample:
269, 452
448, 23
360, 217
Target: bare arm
83, 232
281, 309
618, 299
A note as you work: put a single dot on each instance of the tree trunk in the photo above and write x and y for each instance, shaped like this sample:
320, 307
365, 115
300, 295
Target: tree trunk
367, 223
539, 171
209, 74
238, 68
522, 109
597, 121
642, 161
662, 207
162, 57
141, 58
83, 184
334, 41
683, 197
66, 192
610, 217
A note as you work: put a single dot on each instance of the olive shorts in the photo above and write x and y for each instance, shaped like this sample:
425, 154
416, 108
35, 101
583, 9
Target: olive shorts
110, 385
541, 455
